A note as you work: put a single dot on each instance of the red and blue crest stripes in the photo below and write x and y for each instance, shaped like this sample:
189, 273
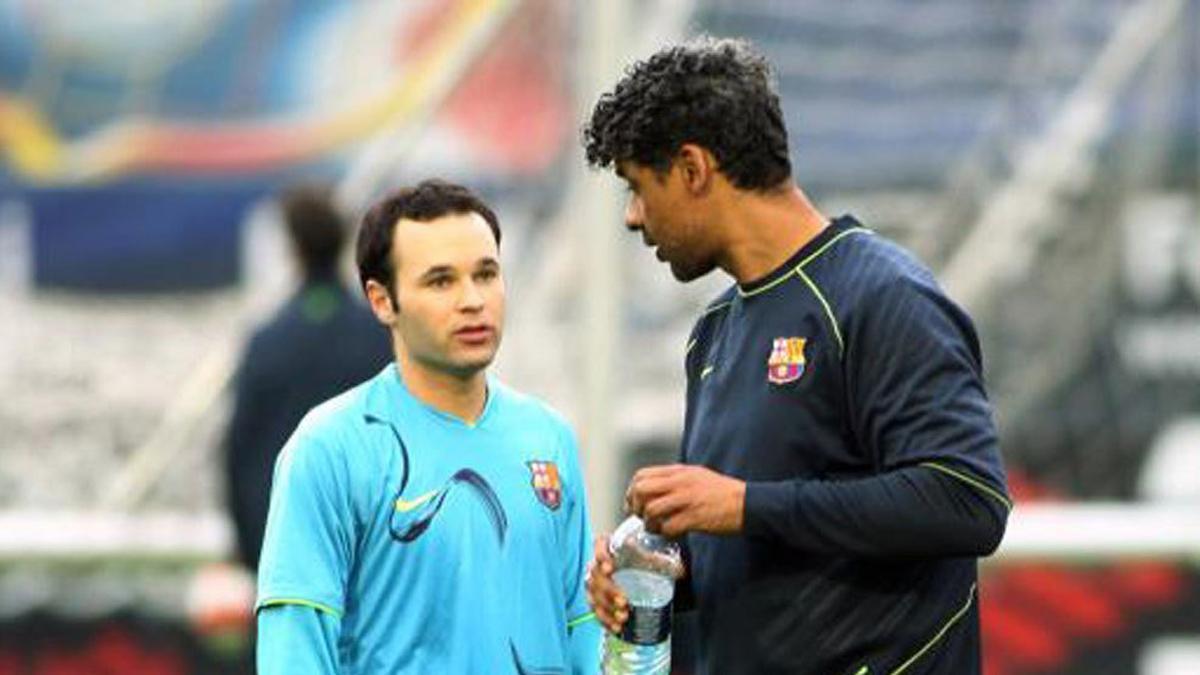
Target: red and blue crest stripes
786, 363
547, 484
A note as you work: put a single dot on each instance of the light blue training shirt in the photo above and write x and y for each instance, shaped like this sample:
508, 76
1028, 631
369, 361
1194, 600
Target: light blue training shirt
404, 540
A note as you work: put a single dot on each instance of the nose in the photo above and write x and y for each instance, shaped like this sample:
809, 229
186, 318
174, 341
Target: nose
634, 216
471, 298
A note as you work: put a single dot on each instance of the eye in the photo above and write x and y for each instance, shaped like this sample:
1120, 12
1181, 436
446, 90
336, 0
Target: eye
488, 274
441, 282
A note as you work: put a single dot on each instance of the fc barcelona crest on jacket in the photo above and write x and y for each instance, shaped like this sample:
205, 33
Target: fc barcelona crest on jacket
787, 360
546, 483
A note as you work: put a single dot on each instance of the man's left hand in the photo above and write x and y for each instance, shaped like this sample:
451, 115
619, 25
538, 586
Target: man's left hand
679, 498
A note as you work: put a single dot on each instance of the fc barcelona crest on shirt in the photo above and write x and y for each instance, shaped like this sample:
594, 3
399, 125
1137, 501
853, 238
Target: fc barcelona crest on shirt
546, 483
787, 360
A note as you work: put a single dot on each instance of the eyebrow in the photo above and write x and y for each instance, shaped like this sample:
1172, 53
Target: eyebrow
437, 270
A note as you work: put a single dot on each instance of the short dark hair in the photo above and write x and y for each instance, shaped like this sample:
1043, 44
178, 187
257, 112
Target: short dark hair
429, 200
315, 226
716, 93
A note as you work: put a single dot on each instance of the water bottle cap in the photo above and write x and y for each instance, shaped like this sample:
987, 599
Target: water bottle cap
632, 546
630, 527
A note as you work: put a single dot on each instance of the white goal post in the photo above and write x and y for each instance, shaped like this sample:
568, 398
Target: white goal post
1087, 532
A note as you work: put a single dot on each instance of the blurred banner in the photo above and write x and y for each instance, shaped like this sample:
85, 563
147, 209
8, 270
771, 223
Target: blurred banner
138, 236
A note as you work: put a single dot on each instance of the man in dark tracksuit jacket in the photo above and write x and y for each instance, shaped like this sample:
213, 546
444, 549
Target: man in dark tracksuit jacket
320, 343
840, 467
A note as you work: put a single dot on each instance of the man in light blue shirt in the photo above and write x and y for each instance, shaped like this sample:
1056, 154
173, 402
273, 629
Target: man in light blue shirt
430, 520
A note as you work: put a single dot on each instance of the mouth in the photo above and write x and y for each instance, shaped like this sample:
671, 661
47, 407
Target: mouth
476, 334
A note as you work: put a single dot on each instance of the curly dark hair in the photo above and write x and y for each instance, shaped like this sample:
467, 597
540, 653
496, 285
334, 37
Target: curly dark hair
429, 200
716, 93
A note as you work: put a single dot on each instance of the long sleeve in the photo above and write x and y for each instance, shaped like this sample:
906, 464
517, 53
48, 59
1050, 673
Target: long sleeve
919, 415
584, 641
311, 536
916, 511
297, 640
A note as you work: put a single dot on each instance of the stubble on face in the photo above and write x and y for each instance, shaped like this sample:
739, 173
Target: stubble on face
451, 294
659, 211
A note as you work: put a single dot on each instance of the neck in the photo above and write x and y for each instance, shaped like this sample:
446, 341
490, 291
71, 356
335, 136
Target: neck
460, 396
767, 229
321, 275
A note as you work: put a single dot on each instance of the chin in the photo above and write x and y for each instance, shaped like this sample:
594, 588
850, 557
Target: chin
465, 369
474, 363
685, 273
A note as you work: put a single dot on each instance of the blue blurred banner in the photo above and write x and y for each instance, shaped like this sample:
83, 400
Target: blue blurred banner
139, 236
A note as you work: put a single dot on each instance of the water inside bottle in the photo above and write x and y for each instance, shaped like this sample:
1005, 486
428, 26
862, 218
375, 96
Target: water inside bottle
644, 589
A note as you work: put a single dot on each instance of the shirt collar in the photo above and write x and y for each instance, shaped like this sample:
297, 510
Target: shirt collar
390, 397
836, 226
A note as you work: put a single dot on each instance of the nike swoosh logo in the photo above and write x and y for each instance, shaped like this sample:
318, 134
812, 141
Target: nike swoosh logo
413, 517
405, 505
707, 369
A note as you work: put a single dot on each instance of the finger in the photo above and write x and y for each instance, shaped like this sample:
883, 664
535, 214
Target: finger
601, 586
647, 482
616, 609
600, 552
618, 620
613, 613
607, 601
659, 470
601, 583
676, 526
644, 490
675, 514
605, 614
665, 506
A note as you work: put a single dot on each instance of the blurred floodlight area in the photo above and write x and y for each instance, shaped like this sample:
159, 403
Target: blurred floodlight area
1043, 157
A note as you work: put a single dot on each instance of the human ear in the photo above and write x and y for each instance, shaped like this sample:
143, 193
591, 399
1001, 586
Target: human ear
381, 303
696, 166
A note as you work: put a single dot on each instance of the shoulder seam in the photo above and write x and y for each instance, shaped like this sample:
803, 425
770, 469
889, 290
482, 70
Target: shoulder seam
841, 235
717, 307
764, 289
837, 331
816, 290
714, 308
798, 269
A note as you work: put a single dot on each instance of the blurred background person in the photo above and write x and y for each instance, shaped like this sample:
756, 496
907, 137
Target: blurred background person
321, 342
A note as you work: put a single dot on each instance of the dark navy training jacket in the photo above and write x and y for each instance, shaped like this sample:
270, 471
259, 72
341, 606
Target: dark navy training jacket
846, 389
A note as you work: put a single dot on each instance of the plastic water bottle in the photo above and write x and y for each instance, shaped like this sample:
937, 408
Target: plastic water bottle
646, 567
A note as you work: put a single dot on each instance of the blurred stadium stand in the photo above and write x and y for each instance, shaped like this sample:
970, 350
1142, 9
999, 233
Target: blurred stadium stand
1044, 156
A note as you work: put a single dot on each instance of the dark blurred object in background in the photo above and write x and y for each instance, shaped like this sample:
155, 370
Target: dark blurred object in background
320, 343
139, 236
